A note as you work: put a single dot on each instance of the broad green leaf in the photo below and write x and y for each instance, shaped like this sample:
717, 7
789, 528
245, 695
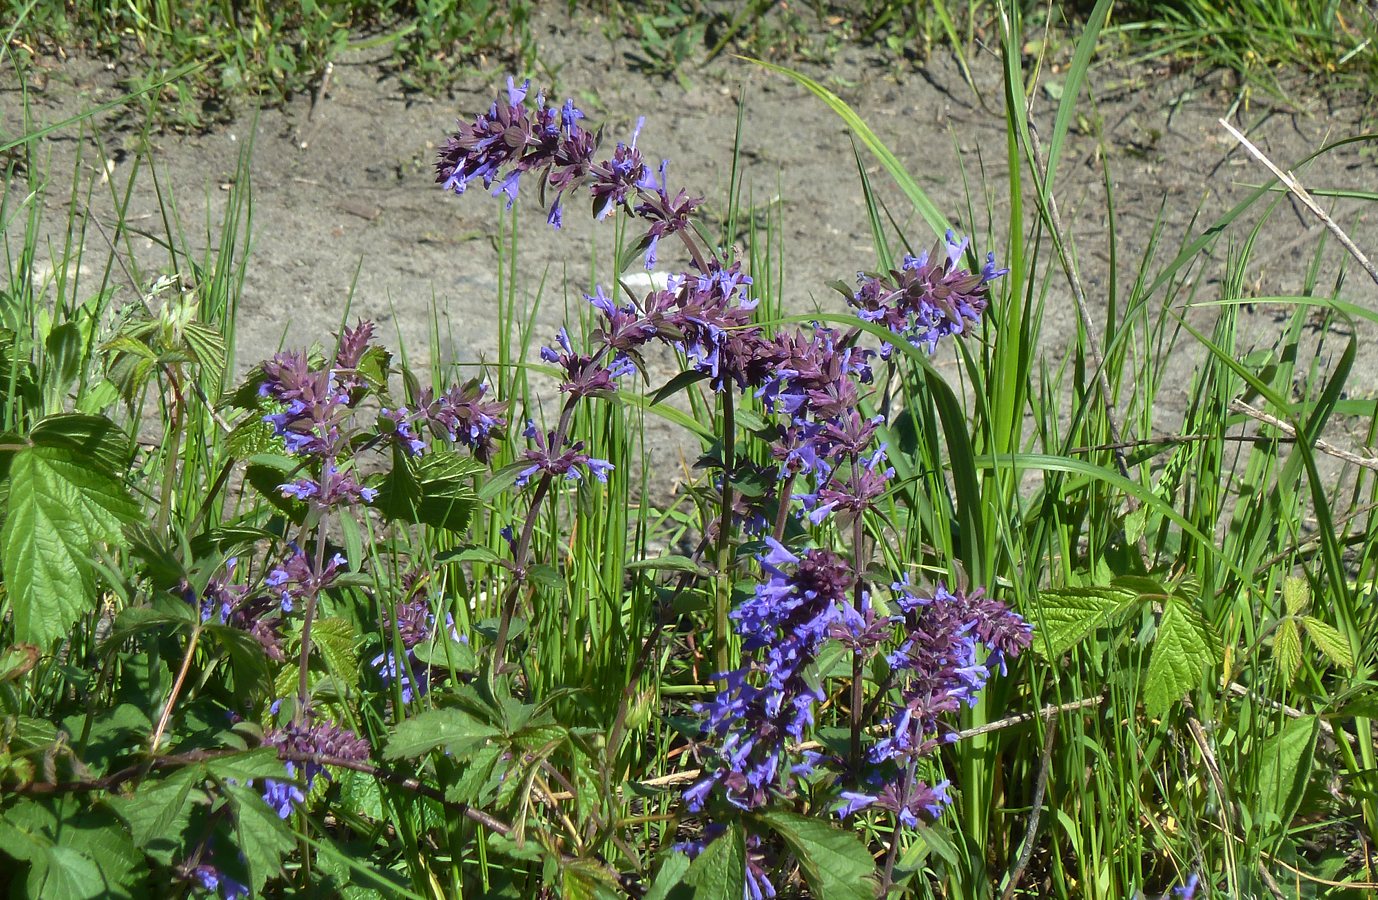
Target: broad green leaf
60, 508
455, 730
1332, 643
157, 812
435, 490
835, 863
581, 880
263, 838
669, 876
477, 777
66, 874
445, 652
249, 437
1182, 649
333, 638
92, 437
1287, 649
719, 872
246, 656
1285, 769
1066, 616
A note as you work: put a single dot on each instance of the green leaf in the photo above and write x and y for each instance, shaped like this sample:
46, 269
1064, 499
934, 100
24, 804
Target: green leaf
455, 730
477, 777
1287, 649
157, 812
333, 638
249, 437
835, 863
1332, 643
262, 837
93, 437
679, 383
60, 508
446, 653
719, 872
435, 491
668, 876
1296, 595
1285, 768
1181, 651
262, 762
1066, 616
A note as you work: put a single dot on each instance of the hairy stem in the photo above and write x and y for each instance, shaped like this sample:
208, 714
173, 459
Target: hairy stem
723, 600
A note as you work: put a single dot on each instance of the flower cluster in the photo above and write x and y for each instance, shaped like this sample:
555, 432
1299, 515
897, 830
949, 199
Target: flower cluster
767, 705
930, 297
296, 578
415, 625
827, 468
459, 415
296, 742
514, 138
318, 405
225, 602
949, 646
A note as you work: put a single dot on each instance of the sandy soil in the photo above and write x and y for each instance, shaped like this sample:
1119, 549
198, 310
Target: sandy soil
358, 198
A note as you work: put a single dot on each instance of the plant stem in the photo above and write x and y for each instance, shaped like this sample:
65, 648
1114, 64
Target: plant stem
723, 601
176, 690
303, 662
859, 564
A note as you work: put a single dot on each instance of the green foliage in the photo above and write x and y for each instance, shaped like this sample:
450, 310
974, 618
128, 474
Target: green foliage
63, 506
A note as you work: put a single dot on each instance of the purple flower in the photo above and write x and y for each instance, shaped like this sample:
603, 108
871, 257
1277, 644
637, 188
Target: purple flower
211, 880
929, 297
1187, 890
566, 462
282, 796
768, 704
295, 743
296, 578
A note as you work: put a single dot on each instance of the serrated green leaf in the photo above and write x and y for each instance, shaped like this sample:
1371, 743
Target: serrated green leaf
207, 348
1296, 595
446, 653
1184, 646
95, 438
834, 862
580, 880
250, 437
333, 638
477, 778
66, 874
455, 730
719, 872
1332, 643
60, 508
261, 762
247, 658
1066, 616
1287, 649
1285, 769
158, 812
262, 837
